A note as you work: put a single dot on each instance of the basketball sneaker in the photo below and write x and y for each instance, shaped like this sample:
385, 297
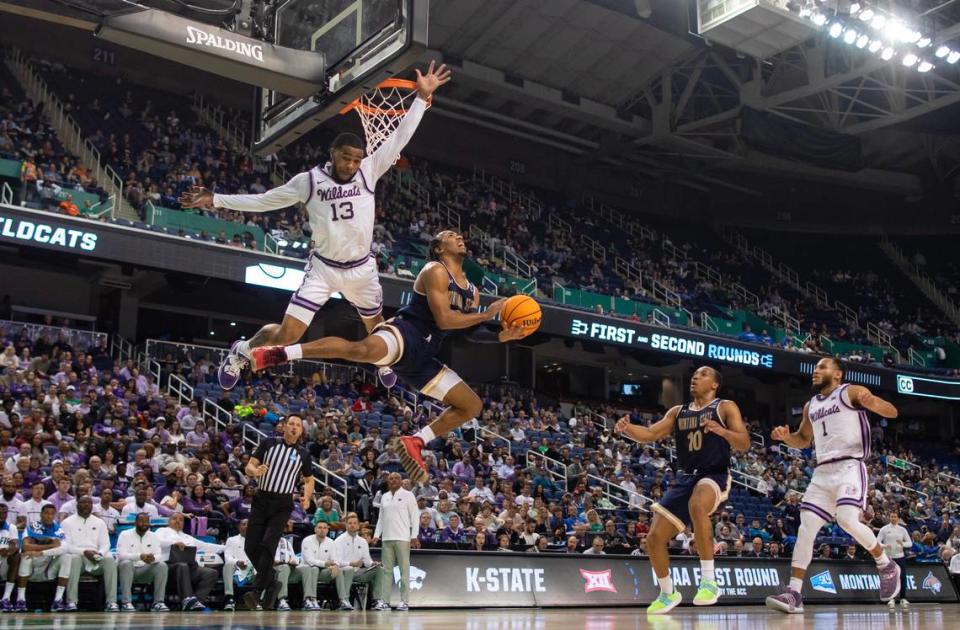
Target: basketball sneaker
664, 603
387, 377
789, 601
408, 448
231, 366
707, 594
266, 357
889, 581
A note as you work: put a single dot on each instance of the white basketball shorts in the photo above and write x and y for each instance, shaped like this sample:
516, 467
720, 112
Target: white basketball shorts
357, 281
834, 484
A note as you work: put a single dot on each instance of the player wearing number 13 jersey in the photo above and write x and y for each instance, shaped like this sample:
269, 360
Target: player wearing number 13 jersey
340, 204
704, 430
835, 420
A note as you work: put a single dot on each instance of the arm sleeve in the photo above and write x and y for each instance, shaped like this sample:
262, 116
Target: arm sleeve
414, 518
379, 529
261, 451
367, 560
387, 153
307, 461
295, 191
125, 552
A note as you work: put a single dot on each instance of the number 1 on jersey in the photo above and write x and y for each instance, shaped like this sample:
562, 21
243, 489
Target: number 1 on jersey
346, 210
824, 425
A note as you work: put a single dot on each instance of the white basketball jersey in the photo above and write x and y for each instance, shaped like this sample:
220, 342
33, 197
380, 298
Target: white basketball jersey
839, 430
342, 215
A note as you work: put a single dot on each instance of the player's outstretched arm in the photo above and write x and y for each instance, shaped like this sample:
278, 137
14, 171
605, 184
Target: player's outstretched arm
654, 433
863, 398
803, 436
735, 432
295, 191
427, 83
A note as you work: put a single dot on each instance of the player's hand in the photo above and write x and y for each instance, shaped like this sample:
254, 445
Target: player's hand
622, 424
90, 554
428, 83
780, 434
197, 197
334, 570
180, 546
305, 503
512, 333
495, 307
374, 540
712, 426
261, 470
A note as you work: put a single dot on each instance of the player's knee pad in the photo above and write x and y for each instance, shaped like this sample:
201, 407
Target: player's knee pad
810, 524
393, 347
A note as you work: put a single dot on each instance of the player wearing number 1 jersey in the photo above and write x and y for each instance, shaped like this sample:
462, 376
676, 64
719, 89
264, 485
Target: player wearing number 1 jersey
704, 430
835, 420
340, 204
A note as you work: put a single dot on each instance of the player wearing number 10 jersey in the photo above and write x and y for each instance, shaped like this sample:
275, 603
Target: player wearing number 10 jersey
340, 204
704, 430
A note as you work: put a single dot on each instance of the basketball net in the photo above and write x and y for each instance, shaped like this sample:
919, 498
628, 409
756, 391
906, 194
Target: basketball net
382, 109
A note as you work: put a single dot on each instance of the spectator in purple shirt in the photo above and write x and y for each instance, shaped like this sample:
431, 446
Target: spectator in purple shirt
453, 532
62, 495
463, 470
197, 503
198, 437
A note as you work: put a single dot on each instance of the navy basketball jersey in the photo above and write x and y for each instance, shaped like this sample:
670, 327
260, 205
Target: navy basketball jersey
418, 311
698, 451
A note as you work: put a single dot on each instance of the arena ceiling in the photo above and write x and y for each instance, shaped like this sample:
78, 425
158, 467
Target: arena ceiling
625, 82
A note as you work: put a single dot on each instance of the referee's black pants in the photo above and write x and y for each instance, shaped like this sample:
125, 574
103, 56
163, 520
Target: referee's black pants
269, 514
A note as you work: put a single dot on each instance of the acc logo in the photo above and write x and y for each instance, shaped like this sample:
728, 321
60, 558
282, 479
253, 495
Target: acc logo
823, 582
904, 384
931, 583
597, 581
417, 576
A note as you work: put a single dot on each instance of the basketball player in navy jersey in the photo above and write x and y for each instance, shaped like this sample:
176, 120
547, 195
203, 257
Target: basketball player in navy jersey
704, 430
443, 301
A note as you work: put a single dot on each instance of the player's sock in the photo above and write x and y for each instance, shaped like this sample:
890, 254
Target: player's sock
666, 585
796, 584
706, 570
882, 559
8, 589
244, 348
60, 590
294, 352
22, 593
426, 434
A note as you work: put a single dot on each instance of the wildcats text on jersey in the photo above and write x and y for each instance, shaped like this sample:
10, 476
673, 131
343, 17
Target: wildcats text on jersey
823, 412
331, 194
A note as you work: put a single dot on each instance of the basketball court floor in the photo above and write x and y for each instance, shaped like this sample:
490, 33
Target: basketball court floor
740, 618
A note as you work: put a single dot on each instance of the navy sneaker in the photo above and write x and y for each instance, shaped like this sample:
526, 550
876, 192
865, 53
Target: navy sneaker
58, 605
231, 367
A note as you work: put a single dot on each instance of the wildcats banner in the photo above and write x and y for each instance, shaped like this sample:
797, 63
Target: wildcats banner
466, 579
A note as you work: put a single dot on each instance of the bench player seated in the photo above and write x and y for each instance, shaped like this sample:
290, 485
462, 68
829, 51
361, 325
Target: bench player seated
444, 301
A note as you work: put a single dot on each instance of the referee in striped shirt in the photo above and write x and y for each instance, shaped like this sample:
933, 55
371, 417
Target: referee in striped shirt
278, 464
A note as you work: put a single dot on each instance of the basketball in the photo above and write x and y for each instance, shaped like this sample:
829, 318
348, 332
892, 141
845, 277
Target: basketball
524, 310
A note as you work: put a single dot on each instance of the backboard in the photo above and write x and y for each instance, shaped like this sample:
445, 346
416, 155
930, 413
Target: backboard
362, 41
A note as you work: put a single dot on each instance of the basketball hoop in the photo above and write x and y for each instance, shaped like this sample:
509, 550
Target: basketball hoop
382, 109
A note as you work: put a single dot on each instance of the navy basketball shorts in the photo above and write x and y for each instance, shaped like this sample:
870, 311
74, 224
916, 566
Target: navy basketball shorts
413, 358
675, 504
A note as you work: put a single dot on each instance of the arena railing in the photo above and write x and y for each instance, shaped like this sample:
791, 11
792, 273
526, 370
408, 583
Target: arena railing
948, 476
76, 338
6, 194
121, 349
497, 436
216, 415
757, 438
901, 464
251, 438
555, 468
180, 388
748, 481
617, 497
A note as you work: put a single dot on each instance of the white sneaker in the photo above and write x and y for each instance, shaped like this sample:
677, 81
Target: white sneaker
892, 605
904, 604
283, 606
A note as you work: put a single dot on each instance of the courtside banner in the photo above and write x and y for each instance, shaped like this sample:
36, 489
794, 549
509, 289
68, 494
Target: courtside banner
445, 579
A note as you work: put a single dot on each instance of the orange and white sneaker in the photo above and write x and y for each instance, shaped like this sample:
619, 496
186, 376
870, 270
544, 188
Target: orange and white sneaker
266, 357
409, 448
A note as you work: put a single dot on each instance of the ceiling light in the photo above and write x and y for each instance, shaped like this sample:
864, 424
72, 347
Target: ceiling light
912, 37
924, 42
819, 19
893, 28
925, 66
875, 45
854, 8
862, 41
878, 21
953, 57
850, 36
836, 29
909, 59
887, 53
942, 52
806, 12
867, 15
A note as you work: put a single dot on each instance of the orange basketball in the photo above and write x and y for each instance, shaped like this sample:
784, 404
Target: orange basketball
524, 310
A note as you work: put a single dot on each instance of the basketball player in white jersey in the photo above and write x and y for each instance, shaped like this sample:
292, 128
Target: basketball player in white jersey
835, 420
340, 203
